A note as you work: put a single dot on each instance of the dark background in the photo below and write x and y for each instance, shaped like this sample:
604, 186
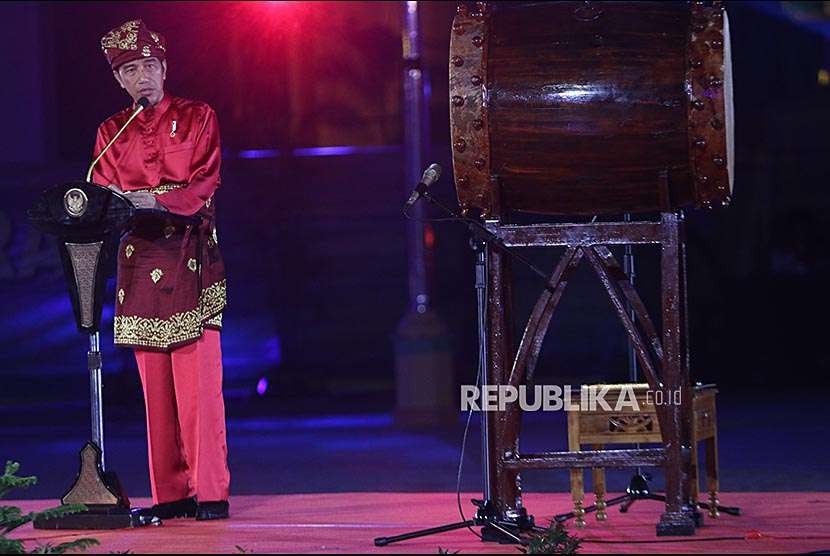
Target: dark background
314, 241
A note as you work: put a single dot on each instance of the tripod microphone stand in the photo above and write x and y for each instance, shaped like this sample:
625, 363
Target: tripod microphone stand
496, 527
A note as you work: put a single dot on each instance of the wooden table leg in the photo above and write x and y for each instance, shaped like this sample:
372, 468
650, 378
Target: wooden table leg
577, 476
598, 476
693, 473
712, 481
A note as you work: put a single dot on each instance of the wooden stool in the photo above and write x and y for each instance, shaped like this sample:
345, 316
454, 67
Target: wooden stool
600, 427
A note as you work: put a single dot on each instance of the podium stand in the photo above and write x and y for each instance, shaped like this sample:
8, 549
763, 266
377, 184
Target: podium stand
88, 221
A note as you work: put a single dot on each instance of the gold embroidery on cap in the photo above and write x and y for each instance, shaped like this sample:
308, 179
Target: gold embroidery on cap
129, 250
156, 275
156, 39
191, 264
121, 296
123, 38
145, 51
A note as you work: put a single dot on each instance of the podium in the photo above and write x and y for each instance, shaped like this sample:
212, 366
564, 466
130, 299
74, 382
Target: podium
88, 221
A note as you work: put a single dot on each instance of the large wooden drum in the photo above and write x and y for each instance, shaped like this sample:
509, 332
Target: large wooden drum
569, 108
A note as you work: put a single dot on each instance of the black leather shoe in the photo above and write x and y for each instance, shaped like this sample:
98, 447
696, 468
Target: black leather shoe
170, 510
212, 510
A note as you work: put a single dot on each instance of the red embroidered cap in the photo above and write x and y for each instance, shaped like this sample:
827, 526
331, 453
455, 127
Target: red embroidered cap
131, 41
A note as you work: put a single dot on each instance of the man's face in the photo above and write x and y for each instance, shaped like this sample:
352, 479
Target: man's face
143, 78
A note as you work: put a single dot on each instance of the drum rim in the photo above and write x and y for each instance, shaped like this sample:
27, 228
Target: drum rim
729, 107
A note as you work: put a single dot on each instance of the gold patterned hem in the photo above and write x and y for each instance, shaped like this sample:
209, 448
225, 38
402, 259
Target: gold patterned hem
215, 322
162, 188
179, 328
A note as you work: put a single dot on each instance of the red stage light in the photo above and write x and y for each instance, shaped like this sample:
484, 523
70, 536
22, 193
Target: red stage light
429, 236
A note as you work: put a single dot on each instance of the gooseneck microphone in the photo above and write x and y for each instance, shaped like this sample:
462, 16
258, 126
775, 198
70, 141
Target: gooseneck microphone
142, 103
431, 175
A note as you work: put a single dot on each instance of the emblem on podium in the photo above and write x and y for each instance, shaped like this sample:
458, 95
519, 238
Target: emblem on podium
75, 202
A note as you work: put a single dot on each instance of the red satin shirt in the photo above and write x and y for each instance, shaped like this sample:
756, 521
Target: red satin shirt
175, 141
171, 278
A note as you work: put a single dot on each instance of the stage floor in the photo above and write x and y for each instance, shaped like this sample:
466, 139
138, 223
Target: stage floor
348, 523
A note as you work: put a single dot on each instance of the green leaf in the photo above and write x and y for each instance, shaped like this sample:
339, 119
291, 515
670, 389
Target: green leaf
79, 545
10, 546
51, 513
9, 480
555, 540
15, 524
14, 521
12, 517
59, 511
9, 514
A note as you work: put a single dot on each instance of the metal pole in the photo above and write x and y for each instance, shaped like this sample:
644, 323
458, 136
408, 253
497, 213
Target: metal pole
414, 147
95, 391
424, 373
481, 297
628, 267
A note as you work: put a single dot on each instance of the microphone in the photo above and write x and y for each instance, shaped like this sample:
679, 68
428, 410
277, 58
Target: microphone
142, 103
431, 175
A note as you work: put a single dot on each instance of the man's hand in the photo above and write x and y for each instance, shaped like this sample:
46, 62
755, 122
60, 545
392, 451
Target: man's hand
143, 200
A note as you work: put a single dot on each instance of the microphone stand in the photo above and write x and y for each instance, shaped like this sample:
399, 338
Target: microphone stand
485, 236
496, 527
142, 104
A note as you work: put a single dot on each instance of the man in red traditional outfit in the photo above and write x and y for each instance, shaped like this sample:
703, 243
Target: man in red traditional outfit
171, 279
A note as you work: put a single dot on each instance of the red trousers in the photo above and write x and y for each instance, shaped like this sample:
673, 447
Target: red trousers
186, 421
